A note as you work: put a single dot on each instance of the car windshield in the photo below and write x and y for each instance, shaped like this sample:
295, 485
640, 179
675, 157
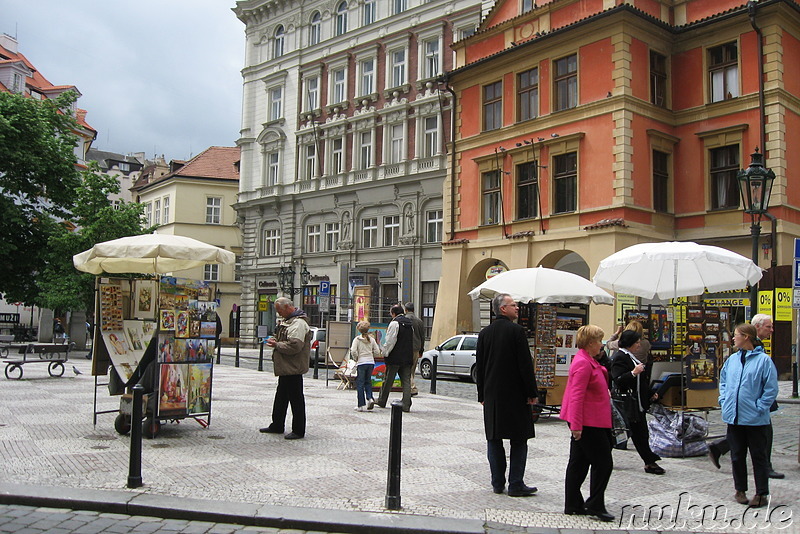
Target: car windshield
320, 335
470, 343
451, 344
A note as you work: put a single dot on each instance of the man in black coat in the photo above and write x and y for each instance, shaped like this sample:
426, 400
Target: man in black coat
506, 389
398, 355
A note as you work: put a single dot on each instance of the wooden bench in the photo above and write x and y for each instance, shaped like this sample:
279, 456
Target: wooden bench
53, 354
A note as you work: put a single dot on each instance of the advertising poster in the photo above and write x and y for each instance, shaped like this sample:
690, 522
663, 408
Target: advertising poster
144, 299
199, 388
173, 390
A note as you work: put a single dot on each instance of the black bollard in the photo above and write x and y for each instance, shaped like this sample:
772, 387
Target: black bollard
237, 353
261, 356
433, 373
794, 380
135, 468
219, 349
316, 363
395, 446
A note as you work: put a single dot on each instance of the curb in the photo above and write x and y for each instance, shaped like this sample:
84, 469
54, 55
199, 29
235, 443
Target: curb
283, 517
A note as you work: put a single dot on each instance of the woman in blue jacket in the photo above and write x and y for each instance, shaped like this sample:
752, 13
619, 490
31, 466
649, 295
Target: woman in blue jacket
748, 385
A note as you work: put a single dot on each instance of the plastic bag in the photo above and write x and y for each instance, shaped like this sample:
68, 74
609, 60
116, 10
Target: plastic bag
676, 435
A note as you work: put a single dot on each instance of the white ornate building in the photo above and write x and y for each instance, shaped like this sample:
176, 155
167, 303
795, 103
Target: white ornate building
344, 149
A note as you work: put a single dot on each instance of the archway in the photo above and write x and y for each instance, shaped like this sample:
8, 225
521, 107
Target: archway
568, 261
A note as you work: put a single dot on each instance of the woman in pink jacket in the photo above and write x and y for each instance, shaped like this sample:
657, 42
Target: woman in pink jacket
587, 410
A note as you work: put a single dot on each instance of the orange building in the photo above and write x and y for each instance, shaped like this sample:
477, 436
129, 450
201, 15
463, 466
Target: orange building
584, 127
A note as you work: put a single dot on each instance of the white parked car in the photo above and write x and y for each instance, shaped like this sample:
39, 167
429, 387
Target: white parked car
456, 356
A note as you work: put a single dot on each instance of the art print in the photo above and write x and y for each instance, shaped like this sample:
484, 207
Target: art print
166, 348
125, 361
167, 320
134, 335
208, 329
144, 301
173, 390
182, 324
199, 388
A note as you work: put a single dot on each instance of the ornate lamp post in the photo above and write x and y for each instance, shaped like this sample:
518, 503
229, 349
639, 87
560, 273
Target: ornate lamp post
286, 278
755, 184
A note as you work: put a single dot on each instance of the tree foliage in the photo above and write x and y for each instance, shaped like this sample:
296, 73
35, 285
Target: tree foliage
97, 219
38, 178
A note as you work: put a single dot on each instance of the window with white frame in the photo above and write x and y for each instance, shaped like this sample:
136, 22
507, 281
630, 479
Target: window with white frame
467, 31
315, 29
16, 83
430, 145
398, 6
391, 230
398, 63
312, 93
337, 156
148, 213
527, 5
279, 42
310, 167
331, 236
157, 211
237, 268
165, 210
434, 223
214, 210
211, 272
272, 241
367, 76
273, 168
369, 232
432, 58
313, 238
338, 86
368, 13
275, 103
723, 70
396, 143
341, 19
365, 150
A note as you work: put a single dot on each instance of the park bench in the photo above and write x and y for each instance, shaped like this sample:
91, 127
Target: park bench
53, 354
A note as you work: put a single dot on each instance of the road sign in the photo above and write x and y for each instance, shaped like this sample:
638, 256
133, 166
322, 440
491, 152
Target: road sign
796, 272
796, 247
324, 302
324, 288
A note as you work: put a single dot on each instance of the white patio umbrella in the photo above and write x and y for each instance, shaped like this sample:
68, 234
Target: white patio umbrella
675, 269
542, 285
150, 253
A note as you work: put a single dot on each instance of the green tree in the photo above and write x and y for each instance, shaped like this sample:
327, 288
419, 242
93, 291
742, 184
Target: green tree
38, 178
96, 219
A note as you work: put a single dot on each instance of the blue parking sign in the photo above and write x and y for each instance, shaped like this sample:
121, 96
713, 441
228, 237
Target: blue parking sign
324, 288
797, 273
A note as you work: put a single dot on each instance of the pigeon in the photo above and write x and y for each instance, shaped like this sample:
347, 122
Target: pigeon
76, 370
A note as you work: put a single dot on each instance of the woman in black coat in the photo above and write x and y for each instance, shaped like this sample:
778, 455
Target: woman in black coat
632, 379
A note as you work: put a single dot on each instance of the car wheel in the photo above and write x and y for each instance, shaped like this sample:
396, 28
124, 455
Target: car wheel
425, 369
473, 374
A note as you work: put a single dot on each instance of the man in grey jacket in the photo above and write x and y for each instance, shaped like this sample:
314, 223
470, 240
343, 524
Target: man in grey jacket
291, 348
419, 342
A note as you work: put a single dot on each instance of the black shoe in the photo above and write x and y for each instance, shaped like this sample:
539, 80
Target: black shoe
602, 516
524, 491
654, 469
714, 454
292, 435
498, 491
576, 512
775, 474
414, 393
270, 430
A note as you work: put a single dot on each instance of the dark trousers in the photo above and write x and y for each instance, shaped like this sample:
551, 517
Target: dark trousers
724, 447
364, 383
754, 439
388, 380
497, 463
640, 436
592, 450
290, 392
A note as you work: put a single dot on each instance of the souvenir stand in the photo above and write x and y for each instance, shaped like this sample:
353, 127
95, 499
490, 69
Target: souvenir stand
553, 305
158, 331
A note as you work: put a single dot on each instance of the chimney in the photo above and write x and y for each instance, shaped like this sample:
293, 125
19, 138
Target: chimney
8, 42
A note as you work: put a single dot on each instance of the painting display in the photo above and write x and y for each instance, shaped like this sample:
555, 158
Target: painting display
199, 388
124, 359
173, 390
144, 304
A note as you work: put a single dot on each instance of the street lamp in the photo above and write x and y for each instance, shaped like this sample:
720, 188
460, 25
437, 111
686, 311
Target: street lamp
755, 184
286, 278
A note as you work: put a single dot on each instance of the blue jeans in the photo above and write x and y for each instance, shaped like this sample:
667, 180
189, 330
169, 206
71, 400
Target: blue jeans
364, 382
497, 463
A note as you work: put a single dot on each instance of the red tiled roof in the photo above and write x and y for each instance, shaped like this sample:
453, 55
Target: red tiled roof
214, 162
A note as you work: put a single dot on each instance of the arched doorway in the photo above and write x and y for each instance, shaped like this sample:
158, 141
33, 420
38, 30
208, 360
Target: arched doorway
568, 261
481, 307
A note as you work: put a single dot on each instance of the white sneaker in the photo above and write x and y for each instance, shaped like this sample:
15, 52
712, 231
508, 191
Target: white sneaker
370, 404
360, 409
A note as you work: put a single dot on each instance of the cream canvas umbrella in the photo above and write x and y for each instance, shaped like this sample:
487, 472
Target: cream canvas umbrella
150, 253
542, 285
675, 269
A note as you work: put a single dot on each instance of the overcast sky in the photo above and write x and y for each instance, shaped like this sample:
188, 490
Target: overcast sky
157, 76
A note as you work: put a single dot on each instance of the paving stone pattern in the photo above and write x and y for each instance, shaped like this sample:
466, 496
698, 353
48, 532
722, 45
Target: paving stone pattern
47, 439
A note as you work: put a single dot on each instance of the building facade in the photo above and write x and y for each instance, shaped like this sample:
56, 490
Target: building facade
194, 199
344, 152
586, 127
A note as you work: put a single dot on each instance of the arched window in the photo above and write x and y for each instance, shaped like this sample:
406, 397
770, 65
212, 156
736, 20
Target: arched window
280, 37
316, 25
341, 19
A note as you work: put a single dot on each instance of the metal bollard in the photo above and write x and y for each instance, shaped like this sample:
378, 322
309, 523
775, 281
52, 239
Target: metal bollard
794, 380
237, 353
433, 373
395, 447
261, 356
135, 467
316, 363
219, 349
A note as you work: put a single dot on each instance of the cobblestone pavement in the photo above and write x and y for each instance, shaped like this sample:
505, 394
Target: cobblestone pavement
47, 440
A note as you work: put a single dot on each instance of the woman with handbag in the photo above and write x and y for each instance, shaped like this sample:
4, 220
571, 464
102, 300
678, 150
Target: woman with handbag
586, 408
364, 350
632, 380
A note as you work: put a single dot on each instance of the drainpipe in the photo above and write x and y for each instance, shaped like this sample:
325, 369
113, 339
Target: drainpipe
751, 10
444, 79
